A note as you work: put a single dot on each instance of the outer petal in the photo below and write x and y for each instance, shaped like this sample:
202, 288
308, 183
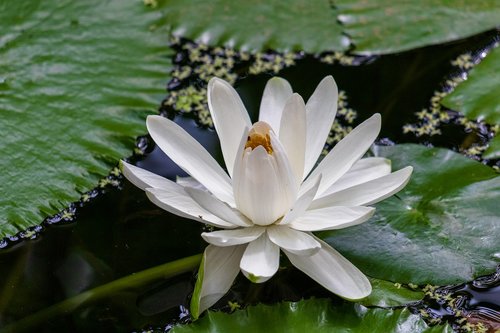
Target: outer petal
190, 156
296, 242
292, 134
302, 203
189, 182
367, 193
362, 171
332, 218
276, 93
260, 260
170, 196
321, 109
144, 179
182, 204
346, 152
217, 207
334, 272
239, 171
218, 269
233, 237
230, 118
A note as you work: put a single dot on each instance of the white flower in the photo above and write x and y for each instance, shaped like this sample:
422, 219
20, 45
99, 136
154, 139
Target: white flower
272, 197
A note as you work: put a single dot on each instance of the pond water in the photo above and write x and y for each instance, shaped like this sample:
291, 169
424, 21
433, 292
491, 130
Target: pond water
120, 232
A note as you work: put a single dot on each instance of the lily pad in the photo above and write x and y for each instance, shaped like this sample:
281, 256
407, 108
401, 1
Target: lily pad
493, 150
303, 25
77, 79
478, 97
314, 315
390, 294
442, 228
385, 26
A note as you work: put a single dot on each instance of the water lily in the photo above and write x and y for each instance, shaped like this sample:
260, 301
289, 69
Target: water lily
273, 195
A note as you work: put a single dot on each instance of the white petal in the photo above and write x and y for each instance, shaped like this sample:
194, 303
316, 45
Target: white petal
182, 204
188, 154
218, 208
334, 272
367, 193
276, 93
296, 242
284, 171
303, 202
233, 237
292, 134
189, 182
230, 118
260, 260
254, 193
345, 153
364, 170
169, 195
239, 170
320, 113
330, 218
220, 266
143, 178
260, 187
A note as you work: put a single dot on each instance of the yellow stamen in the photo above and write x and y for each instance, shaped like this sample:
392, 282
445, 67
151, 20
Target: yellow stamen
259, 136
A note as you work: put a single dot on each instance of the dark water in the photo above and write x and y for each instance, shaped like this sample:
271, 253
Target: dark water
120, 232
478, 301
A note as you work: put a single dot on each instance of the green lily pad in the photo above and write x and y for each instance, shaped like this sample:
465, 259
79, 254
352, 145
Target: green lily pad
478, 97
390, 294
385, 26
442, 228
314, 315
493, 150
303, 25
77, 79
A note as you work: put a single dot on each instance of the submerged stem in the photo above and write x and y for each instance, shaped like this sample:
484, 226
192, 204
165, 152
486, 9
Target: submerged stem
134, 280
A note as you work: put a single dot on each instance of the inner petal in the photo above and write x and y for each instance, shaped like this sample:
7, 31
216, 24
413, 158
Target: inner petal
258, 193
259, 136
263, 182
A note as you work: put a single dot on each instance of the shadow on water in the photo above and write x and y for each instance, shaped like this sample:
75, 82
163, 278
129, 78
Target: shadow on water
117, 234
120, 232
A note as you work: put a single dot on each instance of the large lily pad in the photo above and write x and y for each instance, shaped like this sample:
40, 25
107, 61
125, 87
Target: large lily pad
77, 79
390, 294
493, 150
315, 315
442, 228
257, 25
478, 97
385, 26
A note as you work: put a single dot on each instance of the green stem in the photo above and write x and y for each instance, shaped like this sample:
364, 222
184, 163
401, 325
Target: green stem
134, 280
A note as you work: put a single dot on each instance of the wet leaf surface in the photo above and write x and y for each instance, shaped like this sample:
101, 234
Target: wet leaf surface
442, 228
257, 25
493, 150
478, 97
385, 26
314, 315
76, 82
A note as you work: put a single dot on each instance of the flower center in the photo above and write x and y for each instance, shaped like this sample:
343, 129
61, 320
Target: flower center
259, 136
